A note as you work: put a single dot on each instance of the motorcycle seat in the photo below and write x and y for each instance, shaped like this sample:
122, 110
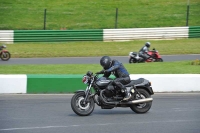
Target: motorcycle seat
135, 82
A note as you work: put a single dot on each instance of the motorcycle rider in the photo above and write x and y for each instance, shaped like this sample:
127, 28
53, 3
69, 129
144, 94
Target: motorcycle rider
144, 51
120, 72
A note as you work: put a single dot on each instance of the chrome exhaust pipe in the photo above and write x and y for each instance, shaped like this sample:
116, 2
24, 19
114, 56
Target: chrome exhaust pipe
145, 100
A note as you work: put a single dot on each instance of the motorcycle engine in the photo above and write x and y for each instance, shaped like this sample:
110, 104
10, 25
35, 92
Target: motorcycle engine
108, 93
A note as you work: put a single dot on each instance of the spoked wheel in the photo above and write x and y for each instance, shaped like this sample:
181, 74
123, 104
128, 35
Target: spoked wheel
159, 60
5, 56
81, 108
142, 107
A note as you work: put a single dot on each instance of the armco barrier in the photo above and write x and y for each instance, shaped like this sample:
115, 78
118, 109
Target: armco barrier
10, 36
34, 84
145, 33
194, 32
6, 36
57, 35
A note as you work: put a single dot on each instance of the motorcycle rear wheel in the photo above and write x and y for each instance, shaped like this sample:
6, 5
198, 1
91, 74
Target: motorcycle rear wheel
159, 60
143, 107
5, 56
79, 108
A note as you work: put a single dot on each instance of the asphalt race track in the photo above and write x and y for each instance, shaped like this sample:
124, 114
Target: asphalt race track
89, 60
170, 113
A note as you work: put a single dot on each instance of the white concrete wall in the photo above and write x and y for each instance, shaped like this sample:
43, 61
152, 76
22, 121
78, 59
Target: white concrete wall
172, 82
13, 83
160, 82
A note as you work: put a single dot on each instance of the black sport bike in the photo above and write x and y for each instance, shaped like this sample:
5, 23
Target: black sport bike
108, 96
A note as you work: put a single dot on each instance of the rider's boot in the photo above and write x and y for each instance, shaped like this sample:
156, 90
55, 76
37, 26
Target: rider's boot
127, 94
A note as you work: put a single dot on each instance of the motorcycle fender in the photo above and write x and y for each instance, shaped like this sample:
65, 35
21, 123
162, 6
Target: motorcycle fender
158, 55
80, 91
4, 51
148, 89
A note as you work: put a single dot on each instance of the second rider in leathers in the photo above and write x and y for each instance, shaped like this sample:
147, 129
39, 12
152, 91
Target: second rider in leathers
144, 51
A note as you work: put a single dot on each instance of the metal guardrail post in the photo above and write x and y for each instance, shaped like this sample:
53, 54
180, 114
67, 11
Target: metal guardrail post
45, 11
116, 17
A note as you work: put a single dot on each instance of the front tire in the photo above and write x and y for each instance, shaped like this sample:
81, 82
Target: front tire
79, 108
5, 56
159, 60
132, 60
142, 107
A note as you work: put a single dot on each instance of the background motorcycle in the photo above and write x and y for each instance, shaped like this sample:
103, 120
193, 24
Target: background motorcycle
4, 54
154, 56
108, 96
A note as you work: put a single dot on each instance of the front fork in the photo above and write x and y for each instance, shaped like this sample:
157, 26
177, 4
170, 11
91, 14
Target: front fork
87, 93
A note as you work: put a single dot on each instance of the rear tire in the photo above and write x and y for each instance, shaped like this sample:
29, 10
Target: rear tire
5, 56
142, 107
79, 108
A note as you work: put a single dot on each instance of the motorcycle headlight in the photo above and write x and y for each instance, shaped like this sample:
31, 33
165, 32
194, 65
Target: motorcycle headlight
85, 79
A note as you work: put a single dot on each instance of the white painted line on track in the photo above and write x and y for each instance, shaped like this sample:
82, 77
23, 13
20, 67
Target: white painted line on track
100, 124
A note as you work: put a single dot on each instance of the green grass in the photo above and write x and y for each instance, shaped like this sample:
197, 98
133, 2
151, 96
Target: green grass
85, 49
180, 67
98, 14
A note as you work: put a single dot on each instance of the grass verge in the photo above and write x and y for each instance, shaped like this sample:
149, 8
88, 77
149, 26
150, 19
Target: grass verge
86, 49
180, 67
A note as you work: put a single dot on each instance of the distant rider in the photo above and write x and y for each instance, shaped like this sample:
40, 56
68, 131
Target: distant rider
120, 72
144, 51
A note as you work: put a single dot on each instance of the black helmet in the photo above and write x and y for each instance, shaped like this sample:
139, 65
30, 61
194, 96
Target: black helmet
147, 44
105, 62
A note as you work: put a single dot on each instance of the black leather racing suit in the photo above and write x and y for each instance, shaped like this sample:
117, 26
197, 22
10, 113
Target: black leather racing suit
120, 72
143, 53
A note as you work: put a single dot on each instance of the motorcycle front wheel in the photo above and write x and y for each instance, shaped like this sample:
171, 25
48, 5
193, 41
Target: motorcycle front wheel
132, 60
142, 107
5, 56
79, 107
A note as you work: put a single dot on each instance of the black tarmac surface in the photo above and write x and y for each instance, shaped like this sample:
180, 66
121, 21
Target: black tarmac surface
170, 113
88, 60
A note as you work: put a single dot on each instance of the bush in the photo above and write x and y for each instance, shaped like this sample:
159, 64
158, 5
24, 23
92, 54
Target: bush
196, 62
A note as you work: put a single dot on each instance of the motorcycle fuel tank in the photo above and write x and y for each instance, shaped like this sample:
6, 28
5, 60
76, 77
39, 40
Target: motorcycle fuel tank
103, 81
